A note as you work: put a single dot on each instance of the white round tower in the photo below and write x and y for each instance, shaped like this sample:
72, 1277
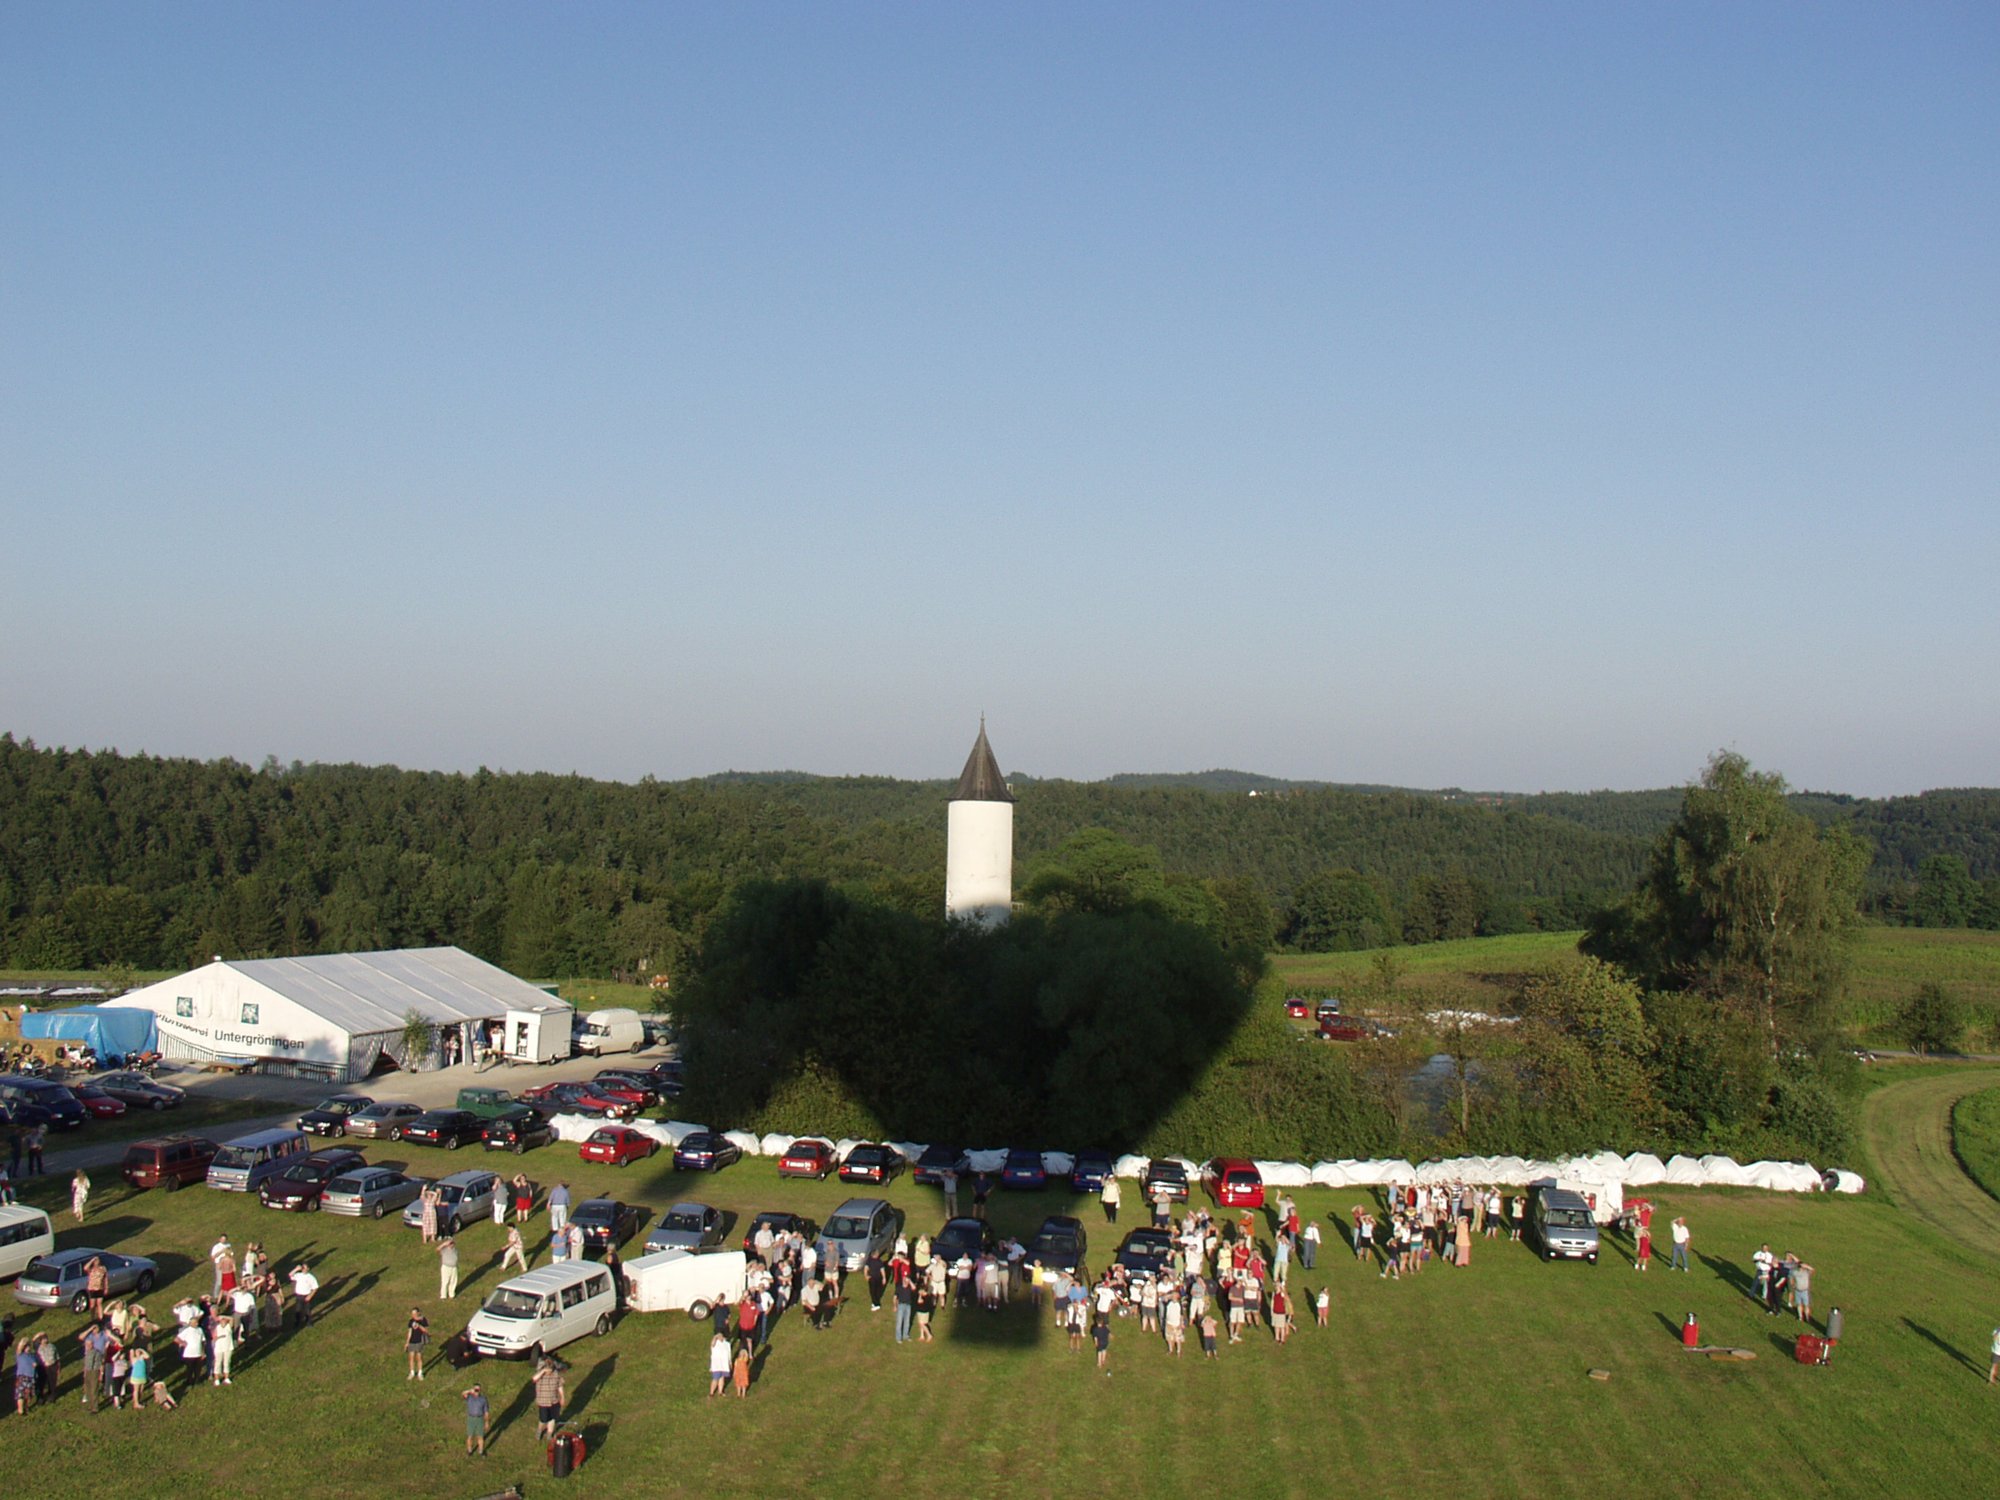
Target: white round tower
979, 841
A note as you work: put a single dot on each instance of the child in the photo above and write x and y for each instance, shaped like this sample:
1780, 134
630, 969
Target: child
1208, 1335
1322, 1306
162, 1397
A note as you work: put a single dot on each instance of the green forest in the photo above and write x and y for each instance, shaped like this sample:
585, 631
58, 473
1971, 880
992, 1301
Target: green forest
141, 861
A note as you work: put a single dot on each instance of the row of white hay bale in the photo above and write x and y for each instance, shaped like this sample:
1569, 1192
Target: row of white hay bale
1638, 1170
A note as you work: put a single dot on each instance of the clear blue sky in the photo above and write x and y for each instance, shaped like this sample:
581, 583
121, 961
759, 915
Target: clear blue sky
1502, 396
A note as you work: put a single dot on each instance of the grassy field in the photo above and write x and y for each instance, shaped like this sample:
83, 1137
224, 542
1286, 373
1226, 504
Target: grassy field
1480, 969
1975, 1138
1890, 962
1466, 1381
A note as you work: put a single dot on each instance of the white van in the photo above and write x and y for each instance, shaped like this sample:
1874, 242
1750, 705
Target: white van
607, 1031
24, 1234
698, 1280
544, 1309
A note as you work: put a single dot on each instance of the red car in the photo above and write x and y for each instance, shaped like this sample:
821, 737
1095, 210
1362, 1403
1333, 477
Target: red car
807, 1159
1297, 1009
617, 1144
96, 1103
575, 1099
624, 1092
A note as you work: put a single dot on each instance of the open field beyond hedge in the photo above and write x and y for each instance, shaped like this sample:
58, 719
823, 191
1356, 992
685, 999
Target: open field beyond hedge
1472, 1383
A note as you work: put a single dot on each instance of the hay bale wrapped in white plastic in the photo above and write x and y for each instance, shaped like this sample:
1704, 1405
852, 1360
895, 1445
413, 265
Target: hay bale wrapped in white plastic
1840, 1180
1685, 1171
908, 1150
653, 1130
573, 1127
1330, 1174
991, 1159
1643, 1169
776, 1145
743, 1139
1607, 1166
1058, 1163
1129, 1166
1507, 1171
1284, 1174
1725, 1171
678, 1130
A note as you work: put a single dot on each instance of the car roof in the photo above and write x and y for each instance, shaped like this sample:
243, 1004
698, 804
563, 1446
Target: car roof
597, 1203
689, 1206
861, 1206
551, 1278
470, 1174
21, 1213
1060, 1221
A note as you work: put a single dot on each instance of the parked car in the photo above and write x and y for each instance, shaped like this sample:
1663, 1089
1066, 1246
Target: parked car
1165, 1170
807, 1158
517, 1130
57, 1280
618, 1144
858, 1227
672, 1078
1326, 1010
935, 1162
330, 1115
1561, 1224
1088, 1171
369, 1190
449, 1128
705, 1151
97, 1103
298, 1188
26, 1116
540, 1310
1338, 1028
605, 1222
780, 1222
1297, 1008
1234, 1183
1059, 1244
463, 1198
1024, 1170
634, 1087
63, 1110
869, 1162
1146, 1250
487, 1103
575, 1099
382, 1121
137, 1091
962, 1237
686, 1226
168, 1161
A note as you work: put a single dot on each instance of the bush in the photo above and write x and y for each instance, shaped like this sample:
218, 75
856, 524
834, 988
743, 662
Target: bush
1932, 1019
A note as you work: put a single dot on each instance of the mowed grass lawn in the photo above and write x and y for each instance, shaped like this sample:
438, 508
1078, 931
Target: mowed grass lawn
1471, 1383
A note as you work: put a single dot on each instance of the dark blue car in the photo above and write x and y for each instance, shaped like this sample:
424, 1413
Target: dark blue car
1024, 1170
1088, 1172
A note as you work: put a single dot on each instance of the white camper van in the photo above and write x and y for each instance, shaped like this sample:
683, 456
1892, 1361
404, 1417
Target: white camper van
544, 1309
25, 1233
698, 1280
611, 1031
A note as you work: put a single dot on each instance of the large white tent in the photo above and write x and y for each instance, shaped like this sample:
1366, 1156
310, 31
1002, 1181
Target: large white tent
332, 1016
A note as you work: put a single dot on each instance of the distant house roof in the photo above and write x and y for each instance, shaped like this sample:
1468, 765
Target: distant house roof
981, 780
369, 992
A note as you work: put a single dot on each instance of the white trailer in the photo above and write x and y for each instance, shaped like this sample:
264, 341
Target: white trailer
537, 1034
697, 1280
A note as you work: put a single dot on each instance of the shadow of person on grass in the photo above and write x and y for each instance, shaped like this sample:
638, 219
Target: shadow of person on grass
1729, 1271
1952, 1349
521, 1405
342, 1290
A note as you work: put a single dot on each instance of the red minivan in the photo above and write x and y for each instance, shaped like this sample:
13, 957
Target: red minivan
1234, 1183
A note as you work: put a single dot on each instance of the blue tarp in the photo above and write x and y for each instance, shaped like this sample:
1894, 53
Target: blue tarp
123, 1030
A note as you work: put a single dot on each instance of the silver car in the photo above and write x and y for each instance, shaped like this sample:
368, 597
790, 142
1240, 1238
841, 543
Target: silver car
370, 1190
382, 1121
858, 1226
58, 1280
463, 1198
686, 1226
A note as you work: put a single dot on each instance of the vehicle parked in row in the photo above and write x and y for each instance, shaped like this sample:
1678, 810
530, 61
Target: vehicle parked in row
243, 1163
1024, 1171
544, 1309
859, 1226
672, 1078
1326, 1011
1561, 1224
575, 1099
870, 1162
686, 1226
699, 1281
369, 1190
1146, 1251
1297, 1007
606, 1031
808, 1158
1234, 1183
935, 1162
463, 1198
297, 1189
449, 1128
627, 1083
1339, 1028
25, 1235
137, 1091
605, 1222
487, 1103
57, 1279
1059, 1245
779, 1222
383, 1120
97, 1103
168, 1161
962, 1237
1165, 1171
705, 1151
62, 1110
620, 1145
519, 1129
1088, 1172
330, 1115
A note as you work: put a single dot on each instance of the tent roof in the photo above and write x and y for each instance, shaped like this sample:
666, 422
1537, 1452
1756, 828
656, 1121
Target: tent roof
369, 992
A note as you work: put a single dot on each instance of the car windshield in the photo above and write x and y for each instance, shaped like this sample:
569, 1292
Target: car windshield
847, 1227
594, 1213
1569, 1218
48, 1268
682, 1221
1055, 1241
309, 1171
604, 1137
509, 1303
866, 1156
234, 1156
346, 1185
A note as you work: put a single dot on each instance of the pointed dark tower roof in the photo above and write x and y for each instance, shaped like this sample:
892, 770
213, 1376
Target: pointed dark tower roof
981, 780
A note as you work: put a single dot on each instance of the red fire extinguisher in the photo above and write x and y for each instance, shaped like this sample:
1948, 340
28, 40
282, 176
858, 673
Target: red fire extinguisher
1690, 1333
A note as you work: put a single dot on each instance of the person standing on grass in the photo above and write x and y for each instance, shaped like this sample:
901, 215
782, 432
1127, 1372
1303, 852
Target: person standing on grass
558, 1208
1682, 1239
549, 1393
524, 1198
501, 1195
305, 1286
517, 1250
1281, 1314
37, 1137
416, 1337
1802, 1291
79, 1193
1644, 1257
96, 1348
1108, 1195
476, 1409
1309, 1246
1993, 1370
948, 1180
906, 1308
739, 1370
447, 1254
221, 1348
1100, 1331
718, 1362
427, 1219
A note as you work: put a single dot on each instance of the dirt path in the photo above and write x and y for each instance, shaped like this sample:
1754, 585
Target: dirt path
1908, 1128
